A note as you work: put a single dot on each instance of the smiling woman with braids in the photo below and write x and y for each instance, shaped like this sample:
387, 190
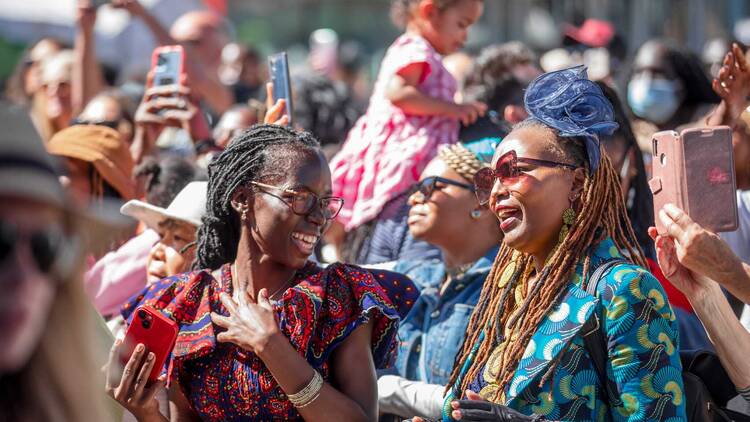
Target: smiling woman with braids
559, 205
289, 340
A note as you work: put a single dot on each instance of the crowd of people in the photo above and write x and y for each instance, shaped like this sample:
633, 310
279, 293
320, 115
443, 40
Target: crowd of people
475, 242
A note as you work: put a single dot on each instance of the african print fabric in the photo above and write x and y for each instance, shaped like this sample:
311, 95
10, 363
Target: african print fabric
224, 382
641, 332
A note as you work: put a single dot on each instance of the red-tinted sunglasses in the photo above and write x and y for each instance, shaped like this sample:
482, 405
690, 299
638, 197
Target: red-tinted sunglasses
505, 170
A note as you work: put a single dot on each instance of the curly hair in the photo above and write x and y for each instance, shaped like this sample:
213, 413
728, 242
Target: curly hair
248, 157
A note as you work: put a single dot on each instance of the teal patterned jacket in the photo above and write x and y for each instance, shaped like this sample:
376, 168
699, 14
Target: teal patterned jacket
643, 347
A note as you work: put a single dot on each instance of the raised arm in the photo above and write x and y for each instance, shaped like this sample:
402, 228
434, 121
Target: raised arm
87, 74
207, 86
728, 336
733, 86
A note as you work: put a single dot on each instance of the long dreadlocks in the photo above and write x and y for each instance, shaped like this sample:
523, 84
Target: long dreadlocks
246, 158
602, 213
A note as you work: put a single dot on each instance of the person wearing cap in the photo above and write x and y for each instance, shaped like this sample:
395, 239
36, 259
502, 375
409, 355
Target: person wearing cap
176, 225
97, 163
47, 360
445, 213
169, 240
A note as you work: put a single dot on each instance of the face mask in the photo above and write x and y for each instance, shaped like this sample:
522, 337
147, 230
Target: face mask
655, 100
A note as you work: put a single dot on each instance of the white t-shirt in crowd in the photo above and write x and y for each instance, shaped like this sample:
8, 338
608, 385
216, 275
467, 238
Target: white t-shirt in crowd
739, 240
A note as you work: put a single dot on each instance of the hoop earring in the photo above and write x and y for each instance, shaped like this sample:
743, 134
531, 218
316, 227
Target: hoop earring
243, 216
568, 217
476, 214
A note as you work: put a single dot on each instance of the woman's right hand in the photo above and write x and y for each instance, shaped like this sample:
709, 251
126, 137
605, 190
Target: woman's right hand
128, 384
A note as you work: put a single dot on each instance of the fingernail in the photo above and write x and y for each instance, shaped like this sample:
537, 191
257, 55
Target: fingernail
150, 356
139, 348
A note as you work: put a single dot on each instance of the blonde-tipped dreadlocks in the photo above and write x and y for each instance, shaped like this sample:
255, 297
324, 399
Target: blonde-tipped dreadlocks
602, 214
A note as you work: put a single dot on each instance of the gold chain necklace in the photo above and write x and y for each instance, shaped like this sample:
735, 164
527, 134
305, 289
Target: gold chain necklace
271, 296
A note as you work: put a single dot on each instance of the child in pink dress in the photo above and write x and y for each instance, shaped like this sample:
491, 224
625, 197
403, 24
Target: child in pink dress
411, 112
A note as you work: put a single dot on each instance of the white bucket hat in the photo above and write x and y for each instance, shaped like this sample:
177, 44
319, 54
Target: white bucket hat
189, 206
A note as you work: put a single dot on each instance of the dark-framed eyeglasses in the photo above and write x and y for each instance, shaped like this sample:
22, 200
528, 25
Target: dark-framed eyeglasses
303, 202
428, 185
506, 170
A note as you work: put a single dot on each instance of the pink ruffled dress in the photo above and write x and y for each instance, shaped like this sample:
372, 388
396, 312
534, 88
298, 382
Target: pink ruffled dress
387, 149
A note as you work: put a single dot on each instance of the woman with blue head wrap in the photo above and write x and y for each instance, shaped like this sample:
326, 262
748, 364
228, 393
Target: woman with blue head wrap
558, 203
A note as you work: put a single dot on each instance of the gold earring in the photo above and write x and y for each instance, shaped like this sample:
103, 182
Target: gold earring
243, 216
568, 217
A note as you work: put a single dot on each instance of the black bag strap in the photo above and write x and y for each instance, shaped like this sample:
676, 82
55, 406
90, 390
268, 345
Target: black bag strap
594, 340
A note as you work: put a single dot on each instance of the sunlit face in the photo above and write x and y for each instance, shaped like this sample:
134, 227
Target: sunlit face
448, 29
28, 293
56, 75
174, 252
445, 215
530, 206
282, 236
105, 110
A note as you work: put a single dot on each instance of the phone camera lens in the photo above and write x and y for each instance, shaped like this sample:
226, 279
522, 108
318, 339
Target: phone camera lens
145, 323
142, 314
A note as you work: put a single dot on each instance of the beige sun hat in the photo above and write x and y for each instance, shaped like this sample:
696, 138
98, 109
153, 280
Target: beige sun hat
188, 206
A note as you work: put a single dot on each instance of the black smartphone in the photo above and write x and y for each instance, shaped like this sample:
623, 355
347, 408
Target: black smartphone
278, 65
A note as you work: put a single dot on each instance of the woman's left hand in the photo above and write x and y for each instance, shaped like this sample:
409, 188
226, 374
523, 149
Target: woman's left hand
249, 325
477, 409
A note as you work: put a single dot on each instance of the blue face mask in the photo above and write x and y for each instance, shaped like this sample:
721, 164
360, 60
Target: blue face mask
655, 100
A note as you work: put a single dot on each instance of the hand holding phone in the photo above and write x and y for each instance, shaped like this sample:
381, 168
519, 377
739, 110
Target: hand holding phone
155, 332
694, 170
278, 65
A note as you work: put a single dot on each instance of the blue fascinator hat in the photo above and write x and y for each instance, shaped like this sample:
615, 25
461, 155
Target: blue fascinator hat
568, 101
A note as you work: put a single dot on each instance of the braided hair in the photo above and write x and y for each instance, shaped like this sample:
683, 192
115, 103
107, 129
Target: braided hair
461, 160
602, 214
248, 157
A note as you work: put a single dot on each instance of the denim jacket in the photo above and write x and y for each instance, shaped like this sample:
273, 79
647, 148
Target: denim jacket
433, 331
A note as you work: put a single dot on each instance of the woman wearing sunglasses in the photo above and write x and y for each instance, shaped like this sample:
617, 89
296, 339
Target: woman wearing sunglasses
559, 206
48, 359
445, 214
265, 333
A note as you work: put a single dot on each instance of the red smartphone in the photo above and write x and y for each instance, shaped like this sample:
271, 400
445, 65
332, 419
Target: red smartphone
155, 331
694, 170
168, 65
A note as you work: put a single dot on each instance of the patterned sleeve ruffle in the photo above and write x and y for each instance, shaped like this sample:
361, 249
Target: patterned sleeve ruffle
316, 315
321, 311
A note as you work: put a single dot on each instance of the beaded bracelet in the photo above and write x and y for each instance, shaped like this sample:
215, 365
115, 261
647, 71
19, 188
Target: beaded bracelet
309, 393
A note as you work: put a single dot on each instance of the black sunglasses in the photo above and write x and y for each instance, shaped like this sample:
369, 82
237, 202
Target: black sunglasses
428, 185
112, 124
46, 244
303, 203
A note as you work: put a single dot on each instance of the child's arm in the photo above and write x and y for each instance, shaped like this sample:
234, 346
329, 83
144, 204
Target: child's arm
403, 93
